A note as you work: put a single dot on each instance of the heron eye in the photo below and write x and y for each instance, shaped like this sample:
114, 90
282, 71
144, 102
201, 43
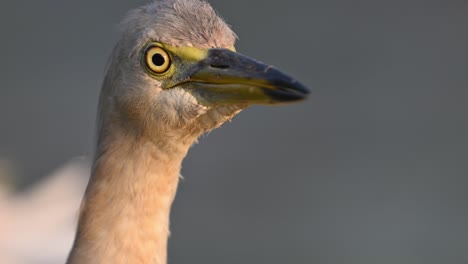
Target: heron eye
157, 60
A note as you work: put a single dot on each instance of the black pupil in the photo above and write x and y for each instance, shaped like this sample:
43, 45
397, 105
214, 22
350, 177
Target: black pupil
158, 59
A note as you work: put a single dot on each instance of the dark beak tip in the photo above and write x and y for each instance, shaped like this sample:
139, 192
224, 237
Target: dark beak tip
286, 95
289, 84
301, 88
298, 89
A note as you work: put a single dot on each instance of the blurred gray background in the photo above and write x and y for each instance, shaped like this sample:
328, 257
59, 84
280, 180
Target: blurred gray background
373, 168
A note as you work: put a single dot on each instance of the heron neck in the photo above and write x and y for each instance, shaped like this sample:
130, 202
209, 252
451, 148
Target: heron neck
125, 211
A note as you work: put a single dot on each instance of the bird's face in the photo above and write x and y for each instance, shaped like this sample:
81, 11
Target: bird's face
178, 71
187, 82
219, 76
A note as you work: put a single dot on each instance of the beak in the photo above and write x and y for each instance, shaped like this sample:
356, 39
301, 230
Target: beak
227, 77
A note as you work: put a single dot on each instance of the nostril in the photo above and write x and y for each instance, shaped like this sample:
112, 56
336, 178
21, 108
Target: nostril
219, 65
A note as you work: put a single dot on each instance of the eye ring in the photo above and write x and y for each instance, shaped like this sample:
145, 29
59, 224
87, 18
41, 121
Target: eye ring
157, 60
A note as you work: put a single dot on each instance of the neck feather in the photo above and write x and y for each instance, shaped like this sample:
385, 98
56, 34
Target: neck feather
125, 211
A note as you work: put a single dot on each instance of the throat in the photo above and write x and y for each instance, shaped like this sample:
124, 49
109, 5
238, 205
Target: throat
125, 212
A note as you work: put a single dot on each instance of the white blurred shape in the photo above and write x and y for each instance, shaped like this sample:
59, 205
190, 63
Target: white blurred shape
38, 226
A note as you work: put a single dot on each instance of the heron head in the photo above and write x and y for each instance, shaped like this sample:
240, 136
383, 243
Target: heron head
176, 69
